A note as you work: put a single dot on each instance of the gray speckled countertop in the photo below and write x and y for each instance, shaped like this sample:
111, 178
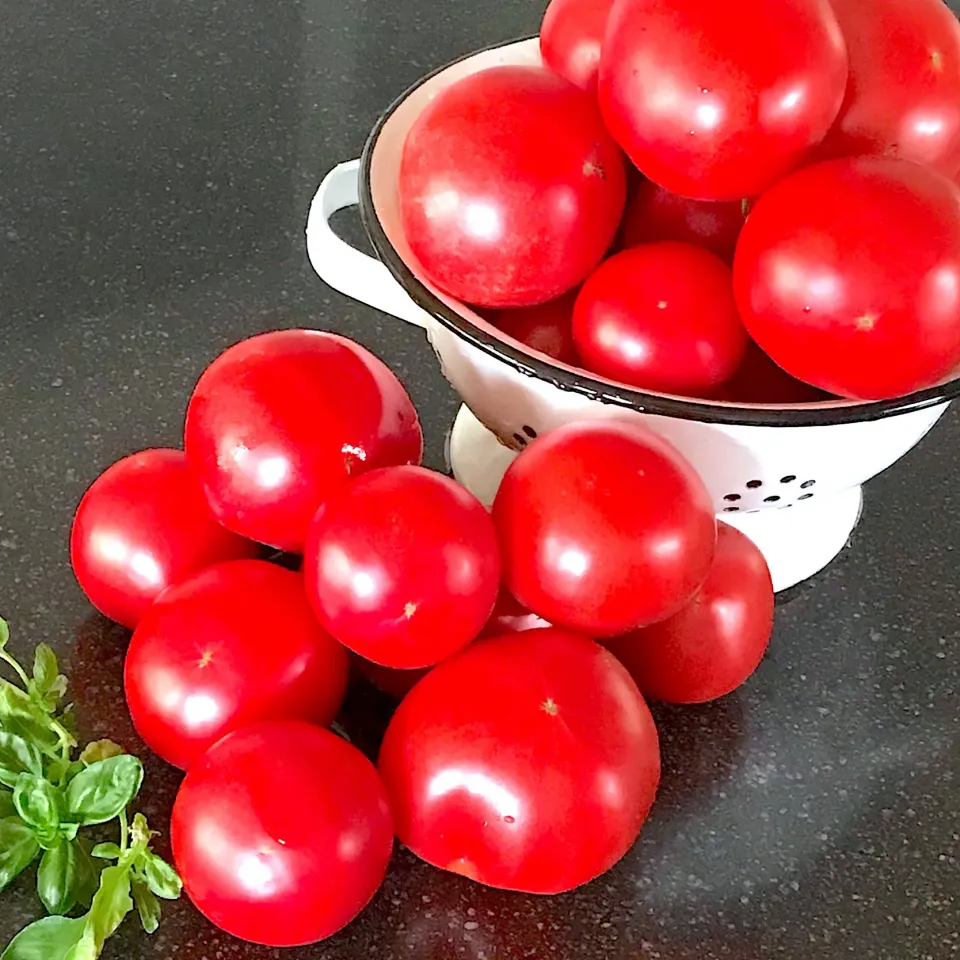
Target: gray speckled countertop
156, 162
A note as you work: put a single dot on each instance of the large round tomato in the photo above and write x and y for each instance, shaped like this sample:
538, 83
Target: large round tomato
402, 566
654, 214
142, 526
527, 762
759, 380
511, 189
825, 286
719, 106
282, 833
661, 316
570, 38
903, 99
545, 327
235, 644
280, 421
603, 527
717, 640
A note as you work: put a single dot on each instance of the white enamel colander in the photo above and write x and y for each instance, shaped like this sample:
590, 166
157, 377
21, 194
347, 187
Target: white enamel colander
790, 478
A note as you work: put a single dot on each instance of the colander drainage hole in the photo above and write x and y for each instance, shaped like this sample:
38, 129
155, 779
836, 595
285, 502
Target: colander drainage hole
805, 496
789, 478
520, 438
731, 509
807, 483
530, 432
732, 497
753, 484
770, 499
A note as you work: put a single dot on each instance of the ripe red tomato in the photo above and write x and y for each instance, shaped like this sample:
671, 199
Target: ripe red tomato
655, 214
570, 38
235, 644
717, 640
511, 616
759, 380
903, 98
511, 189
825, 288
546, 327
142, 526
282, 833
395, 683
717, 106
280, 421
402, 566
527, 762
603, 527
661, 316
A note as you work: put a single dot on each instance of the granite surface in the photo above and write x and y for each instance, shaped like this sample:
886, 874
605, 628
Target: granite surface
156, 162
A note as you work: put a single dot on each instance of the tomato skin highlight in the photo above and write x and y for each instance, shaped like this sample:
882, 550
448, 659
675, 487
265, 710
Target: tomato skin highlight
282, 834
235, 644
585, 538
717, 640
903, 98
661, 316
403, 567
823, 286
571, 36
720, 107
142, 526
280, 421
511, 188
527, 762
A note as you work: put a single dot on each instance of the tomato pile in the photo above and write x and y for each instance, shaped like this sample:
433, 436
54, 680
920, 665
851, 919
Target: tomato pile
756, 207
521, 642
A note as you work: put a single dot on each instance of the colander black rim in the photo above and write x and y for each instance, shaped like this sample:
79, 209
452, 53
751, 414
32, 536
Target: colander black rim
584, 384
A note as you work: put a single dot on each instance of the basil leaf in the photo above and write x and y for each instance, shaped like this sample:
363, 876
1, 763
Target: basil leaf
88, 873
106, 851
17, 756
110, 905
100, 750
162, 879
7, 809
19, 715
4, 633
57, 878
36, 802
45, 669
18, 849
148, 906
51, 938
103, 790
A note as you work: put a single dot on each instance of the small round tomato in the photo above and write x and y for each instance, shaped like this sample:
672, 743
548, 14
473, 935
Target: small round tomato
759, 380
280, 421
402, 566
498, 207
716, 106
282, 834
527, 762
143, 526
824, 287
654, 214
570, 38
661, 316
547, 327
717, 640
604, 527
235, 644
903, 99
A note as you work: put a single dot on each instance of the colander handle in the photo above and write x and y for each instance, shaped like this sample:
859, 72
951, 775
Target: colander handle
342, 266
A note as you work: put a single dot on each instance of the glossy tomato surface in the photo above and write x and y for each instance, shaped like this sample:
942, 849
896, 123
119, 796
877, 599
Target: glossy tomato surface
233, 645
848, 275
142, 526
604, 527
717, 105
547, 327
280, 421
570, 38
654, 214
402, 566
527, 762
903, 99
717, 640
282, 833
661, 316
759, 380
511, 189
